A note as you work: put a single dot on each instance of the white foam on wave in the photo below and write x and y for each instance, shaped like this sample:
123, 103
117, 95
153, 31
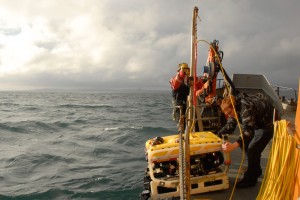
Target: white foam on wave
111, 129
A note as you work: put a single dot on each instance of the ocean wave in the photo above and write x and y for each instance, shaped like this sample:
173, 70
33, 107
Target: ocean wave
12, 128
111, 129
34, 160
158, 130
123, 128
86, 106
67, 194
53, 194
29, 126
30, 108
47, 126
143, 128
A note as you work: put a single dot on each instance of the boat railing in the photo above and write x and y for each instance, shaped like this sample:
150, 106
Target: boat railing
283, 91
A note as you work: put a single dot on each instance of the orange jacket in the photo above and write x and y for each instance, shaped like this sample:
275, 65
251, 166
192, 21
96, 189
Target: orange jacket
177, 80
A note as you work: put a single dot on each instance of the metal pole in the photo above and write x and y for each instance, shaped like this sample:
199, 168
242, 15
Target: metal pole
185, 194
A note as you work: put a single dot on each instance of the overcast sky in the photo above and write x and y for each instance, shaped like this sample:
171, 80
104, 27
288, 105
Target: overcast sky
138, 43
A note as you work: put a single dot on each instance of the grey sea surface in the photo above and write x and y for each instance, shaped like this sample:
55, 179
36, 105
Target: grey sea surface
78, 145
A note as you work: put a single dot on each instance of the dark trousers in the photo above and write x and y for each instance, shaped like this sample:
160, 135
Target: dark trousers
254, 149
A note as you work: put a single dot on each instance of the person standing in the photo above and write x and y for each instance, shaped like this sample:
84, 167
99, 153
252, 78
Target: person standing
180, 90
255, 114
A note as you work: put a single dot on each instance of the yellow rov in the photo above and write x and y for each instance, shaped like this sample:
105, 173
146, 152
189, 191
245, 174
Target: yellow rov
206, 170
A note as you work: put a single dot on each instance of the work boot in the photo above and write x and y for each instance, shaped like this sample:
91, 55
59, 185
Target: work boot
246, 182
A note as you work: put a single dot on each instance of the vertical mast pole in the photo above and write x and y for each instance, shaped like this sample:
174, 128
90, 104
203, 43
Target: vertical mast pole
194, 55
186, 190
194, 58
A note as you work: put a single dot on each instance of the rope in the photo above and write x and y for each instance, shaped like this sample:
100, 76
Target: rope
280, 176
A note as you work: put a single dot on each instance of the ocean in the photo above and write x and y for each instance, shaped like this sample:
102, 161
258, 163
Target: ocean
78, 145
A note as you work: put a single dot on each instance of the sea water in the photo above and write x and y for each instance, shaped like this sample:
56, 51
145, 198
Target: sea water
78, 145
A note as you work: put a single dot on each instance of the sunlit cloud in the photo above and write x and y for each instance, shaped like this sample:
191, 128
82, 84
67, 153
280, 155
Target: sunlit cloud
112, 43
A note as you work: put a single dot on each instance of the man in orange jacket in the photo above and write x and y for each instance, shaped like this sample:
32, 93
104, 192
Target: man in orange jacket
180, 89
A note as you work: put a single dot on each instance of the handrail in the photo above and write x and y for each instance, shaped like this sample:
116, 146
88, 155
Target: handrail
278, 87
